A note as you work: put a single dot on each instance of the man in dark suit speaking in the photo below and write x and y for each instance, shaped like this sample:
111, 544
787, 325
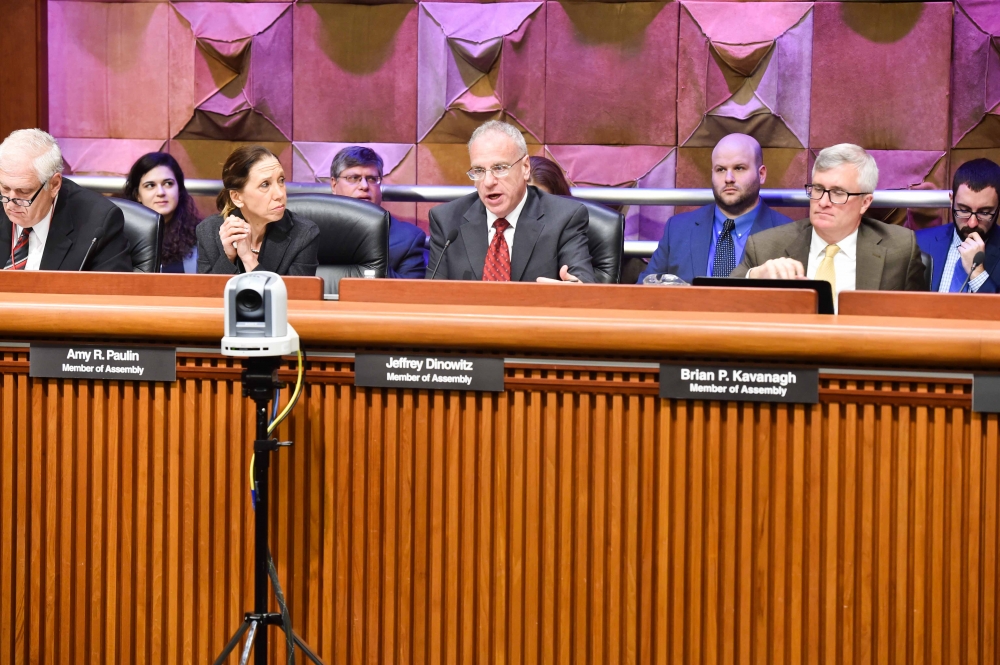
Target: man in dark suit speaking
508, 231
48, 223
837, 243
709, 241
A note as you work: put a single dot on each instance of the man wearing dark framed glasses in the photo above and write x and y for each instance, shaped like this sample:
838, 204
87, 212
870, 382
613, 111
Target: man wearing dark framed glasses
953, 247
507, 231
838, 243
356, 171
48, 223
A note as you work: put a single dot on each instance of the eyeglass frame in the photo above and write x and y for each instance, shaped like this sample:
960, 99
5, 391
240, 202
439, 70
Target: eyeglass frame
367, 178
505, 167
993, 215
4, 200
829, 194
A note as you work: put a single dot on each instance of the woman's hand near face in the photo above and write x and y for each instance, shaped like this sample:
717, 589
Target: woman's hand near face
235, 236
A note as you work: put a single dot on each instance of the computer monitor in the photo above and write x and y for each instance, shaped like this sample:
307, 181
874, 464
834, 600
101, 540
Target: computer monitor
824, 291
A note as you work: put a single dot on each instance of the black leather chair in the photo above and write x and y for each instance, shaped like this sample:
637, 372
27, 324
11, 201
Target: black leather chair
144, 230
353, 236
606, 236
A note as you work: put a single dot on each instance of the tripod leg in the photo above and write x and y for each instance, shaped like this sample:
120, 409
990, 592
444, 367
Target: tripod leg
245, 658
232, 643
305, 649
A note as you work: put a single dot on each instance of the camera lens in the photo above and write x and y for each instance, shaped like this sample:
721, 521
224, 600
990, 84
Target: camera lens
249, 306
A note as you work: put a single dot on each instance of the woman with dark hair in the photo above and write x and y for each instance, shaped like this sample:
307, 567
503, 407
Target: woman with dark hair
254, 230
157, 182
548, 177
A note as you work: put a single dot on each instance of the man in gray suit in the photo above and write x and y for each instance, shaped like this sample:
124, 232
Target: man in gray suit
837, 243
508, 231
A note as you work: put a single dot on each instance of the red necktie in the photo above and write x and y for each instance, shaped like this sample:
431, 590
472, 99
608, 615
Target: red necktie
19, 255
497, 266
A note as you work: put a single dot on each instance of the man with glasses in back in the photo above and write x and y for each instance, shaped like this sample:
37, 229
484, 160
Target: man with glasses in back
49, 223
953, 247
837, 243
507, 231
356, 172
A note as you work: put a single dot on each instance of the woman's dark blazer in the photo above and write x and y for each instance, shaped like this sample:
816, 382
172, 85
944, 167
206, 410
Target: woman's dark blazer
289, 247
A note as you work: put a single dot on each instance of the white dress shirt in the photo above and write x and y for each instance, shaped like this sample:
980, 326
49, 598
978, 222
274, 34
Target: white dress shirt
508, 233
845, 262
36, 241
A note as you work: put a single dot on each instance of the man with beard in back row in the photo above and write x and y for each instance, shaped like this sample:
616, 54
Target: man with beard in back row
953, 247
710, 241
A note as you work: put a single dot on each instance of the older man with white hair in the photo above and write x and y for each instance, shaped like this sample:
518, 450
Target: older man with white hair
507, 231
48, 223
837, 243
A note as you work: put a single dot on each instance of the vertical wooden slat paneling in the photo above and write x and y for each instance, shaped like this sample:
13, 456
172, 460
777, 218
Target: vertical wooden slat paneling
8, 606
534, 526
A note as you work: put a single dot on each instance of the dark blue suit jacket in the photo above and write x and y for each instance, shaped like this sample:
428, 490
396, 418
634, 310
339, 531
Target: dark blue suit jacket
687, 239
936, 241
407, 253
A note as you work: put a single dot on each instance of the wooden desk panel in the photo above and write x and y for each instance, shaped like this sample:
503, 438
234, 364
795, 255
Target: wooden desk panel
140, 284
575, 517
583, 522
581, 296
552, 331
924, 305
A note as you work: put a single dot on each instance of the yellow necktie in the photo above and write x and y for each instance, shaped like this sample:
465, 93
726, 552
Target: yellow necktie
825, 270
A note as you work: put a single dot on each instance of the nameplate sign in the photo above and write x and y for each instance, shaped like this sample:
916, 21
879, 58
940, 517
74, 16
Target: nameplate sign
739, 383
423, 372
986, 393
105, 362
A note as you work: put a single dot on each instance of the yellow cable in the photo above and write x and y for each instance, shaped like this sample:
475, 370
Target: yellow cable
281, 416
291, 402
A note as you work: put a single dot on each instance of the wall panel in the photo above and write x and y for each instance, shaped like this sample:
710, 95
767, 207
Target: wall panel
575, 518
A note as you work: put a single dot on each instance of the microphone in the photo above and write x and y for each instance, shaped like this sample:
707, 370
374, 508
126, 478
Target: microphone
977, 261
97, 236
447, 244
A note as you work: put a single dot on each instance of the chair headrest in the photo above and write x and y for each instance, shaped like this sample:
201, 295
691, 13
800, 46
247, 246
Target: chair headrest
144, 231
606, 239
353, 235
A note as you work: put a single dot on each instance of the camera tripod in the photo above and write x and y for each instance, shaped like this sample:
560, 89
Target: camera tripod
260, 380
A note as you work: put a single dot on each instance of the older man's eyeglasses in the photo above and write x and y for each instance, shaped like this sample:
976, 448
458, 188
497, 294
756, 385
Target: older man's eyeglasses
982, 216
498, 170
24, 203
837, 196
356, 179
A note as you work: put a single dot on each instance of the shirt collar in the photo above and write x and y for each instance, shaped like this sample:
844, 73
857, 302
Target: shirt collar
743, 222
511, 217
848, 246
955, 240
41, 229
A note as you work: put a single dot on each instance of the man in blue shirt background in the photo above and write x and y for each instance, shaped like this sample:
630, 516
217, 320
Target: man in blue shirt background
709, 241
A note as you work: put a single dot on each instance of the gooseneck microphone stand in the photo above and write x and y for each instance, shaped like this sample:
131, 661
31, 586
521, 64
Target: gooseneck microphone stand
260, 380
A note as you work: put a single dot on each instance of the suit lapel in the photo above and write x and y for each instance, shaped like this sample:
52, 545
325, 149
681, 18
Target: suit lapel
60, 237
762, 220
870, 260
798, 249
474, 235
277, 237
701, 241
529, 226
939, 256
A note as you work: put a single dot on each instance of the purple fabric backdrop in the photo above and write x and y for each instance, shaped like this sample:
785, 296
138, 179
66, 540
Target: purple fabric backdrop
626, 94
